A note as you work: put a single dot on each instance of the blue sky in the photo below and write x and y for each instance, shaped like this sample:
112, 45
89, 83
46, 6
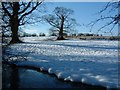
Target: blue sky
84, 13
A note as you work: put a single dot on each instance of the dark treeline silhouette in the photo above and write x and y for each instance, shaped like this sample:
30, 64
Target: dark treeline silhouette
25, 35
87, 34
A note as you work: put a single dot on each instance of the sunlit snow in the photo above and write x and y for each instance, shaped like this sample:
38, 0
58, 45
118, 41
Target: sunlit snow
87, 61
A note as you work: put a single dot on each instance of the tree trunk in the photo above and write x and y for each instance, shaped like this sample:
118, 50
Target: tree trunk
15, 38
60, 37
14, 22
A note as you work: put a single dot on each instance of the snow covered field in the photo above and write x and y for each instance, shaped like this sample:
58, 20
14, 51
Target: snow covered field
87, 61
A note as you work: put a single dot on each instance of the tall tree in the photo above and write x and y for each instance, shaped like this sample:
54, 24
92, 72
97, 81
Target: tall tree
15, 14
60, 21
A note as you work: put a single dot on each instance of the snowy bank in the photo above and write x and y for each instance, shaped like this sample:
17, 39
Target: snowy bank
90, 62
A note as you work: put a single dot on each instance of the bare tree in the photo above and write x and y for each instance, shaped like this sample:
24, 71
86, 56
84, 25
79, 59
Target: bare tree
60, 21
112, 20
15, 14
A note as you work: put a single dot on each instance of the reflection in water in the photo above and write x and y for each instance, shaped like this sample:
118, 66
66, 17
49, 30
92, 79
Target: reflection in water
18, 78
10, 79
14, 78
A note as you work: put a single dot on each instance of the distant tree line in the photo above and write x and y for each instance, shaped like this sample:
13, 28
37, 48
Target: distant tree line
56, 34
87, 34
75, 34
25, 35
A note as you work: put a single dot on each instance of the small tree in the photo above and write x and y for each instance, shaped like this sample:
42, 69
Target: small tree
34, 35
16, 14
42, 34
60, 21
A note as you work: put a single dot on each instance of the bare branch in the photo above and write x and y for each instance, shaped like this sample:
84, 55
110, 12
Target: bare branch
93, 23
25, 8
33, 8
105, 26
113, 19
6, 11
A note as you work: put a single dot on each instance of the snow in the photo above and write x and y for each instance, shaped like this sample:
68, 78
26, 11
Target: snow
87, 61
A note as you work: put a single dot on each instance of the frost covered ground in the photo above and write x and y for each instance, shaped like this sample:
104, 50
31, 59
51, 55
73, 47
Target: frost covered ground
88, 61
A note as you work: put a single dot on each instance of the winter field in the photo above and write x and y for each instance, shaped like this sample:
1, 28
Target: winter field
91, 62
